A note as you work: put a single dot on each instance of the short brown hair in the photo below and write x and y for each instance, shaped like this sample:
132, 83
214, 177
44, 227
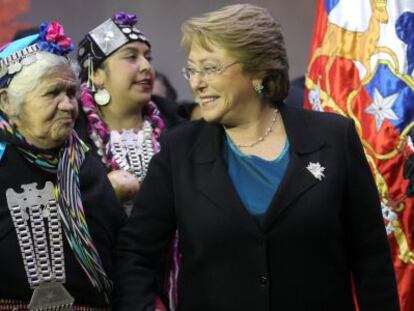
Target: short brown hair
252, 36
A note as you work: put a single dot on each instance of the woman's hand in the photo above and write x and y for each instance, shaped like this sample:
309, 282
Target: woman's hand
125, 184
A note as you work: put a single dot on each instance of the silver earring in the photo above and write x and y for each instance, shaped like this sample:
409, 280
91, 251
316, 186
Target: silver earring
258, 88
102, 97
90, 84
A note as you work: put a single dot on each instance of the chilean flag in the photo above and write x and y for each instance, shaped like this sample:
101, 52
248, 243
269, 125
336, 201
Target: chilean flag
362, 66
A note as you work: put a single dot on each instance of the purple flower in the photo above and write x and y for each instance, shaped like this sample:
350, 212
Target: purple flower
122, 18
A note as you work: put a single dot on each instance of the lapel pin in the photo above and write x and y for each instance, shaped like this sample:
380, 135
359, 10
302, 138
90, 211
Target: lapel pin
316, 170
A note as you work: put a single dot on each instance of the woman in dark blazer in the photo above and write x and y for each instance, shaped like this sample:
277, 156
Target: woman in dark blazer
275, 207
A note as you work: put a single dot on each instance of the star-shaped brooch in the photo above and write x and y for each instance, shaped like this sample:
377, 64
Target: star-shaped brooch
316, 169
381, 108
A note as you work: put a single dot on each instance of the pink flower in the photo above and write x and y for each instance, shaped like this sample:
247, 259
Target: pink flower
56, 34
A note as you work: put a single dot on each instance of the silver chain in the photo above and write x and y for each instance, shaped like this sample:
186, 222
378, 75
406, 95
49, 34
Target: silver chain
41, 246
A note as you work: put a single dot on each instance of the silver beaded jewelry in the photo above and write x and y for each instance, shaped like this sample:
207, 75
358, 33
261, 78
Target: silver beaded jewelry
38, 228
132, 150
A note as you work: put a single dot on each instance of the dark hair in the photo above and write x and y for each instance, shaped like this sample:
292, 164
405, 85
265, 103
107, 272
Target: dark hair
297, 92
185, 109
171, 92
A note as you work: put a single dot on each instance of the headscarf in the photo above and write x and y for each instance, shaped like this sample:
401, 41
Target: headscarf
23, 52
105, 39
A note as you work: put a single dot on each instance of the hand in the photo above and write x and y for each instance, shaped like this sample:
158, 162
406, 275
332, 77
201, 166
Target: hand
125, 184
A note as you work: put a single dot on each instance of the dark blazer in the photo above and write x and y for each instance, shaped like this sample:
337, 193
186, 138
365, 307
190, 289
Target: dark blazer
315, 235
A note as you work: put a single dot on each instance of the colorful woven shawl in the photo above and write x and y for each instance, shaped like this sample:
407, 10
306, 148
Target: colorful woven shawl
66, 164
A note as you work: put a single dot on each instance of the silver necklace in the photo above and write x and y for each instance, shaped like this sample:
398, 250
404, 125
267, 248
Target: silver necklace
266, 133
133, 151
39, 233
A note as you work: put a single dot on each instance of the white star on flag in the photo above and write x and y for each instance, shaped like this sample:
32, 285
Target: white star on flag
381, 108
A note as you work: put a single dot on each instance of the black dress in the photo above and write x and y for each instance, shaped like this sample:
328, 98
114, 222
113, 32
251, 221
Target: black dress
104, 217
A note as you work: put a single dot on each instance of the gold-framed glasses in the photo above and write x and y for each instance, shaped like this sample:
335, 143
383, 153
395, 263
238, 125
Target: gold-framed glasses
207, 71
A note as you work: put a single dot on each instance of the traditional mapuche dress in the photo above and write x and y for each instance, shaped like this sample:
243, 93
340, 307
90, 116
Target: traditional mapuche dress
59, 215
129, 150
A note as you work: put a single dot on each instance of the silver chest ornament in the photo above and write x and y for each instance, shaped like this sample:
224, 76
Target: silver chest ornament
132, 151
37, 224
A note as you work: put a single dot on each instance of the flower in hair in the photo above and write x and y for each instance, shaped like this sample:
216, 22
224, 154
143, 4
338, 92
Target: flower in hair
123, 18
52, 39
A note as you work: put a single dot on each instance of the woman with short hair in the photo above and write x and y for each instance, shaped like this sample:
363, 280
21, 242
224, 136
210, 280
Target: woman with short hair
275, 207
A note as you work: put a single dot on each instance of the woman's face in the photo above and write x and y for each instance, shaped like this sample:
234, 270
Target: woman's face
49, 111
128, 75
226, 96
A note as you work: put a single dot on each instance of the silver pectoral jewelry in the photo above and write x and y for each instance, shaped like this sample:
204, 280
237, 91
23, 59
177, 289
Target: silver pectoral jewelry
133, 150
37, 224
51, 296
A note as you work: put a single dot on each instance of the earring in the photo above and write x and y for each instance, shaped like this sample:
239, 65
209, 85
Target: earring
90, 83
102, 97
258, 88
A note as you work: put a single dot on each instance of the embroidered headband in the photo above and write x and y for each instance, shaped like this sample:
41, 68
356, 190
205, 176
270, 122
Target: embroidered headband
23, 52
105, 39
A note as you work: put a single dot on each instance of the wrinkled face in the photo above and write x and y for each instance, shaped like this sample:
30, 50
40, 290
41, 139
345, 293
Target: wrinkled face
225, 95
128, 75
49, 111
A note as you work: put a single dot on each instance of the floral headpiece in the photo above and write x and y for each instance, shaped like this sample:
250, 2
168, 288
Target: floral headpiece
105, 39
23, 52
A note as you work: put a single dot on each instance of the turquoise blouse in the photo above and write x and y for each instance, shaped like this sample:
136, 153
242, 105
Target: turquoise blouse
256, 180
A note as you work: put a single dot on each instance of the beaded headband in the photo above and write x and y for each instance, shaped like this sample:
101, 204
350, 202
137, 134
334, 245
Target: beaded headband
23, 52
105, 39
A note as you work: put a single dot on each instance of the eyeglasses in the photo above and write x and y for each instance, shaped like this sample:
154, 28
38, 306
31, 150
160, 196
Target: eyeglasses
207, 71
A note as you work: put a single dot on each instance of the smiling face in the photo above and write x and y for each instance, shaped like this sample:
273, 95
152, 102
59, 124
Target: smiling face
128, 76
226, 96
49, 111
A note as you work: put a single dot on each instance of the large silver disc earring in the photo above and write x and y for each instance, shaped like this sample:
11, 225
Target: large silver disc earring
102, 97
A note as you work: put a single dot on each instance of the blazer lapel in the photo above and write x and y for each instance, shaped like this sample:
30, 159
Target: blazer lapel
212, 180
305, 147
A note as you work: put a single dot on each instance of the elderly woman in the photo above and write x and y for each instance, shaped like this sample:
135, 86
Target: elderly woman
276, 208
58, 212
